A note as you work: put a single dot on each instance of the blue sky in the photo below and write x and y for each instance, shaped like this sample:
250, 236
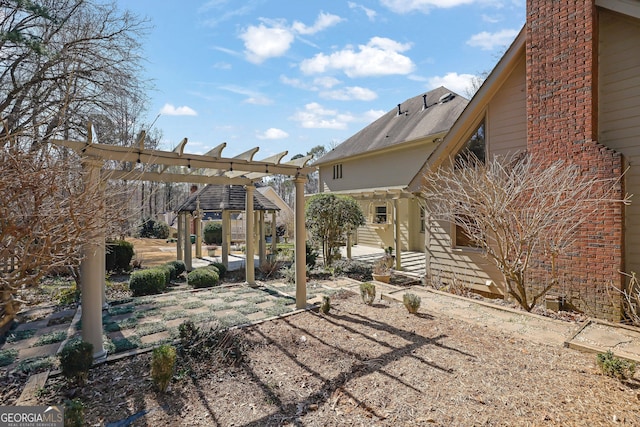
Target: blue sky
287, 75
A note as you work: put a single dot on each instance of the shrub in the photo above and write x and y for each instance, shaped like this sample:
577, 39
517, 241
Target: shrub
212, 233
203, 278
180, 267
368, 292
222, 270
147, 282
172, 270
69, 295
73, 413
411, 302
160, 230
163, 361
119, 255
76, 359
167, 274
326, 305
311, 255
613, 366
146, 228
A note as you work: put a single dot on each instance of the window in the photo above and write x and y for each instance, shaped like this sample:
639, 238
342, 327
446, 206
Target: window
380, 216
422, 219
461, 238
476, 145
337, 171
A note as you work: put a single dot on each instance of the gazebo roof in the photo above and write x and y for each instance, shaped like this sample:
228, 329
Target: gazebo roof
225, 198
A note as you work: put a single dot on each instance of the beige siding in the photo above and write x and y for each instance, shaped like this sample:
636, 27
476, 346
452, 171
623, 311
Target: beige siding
382, 235
386, 169
619, 112
467, 267
507, 115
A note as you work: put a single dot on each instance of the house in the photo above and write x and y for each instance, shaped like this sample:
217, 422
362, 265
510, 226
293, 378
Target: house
376, 164
567, 88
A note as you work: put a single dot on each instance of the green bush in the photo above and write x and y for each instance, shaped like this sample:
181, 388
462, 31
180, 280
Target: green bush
167, 274
161, 230
180, 266
212, 233
69, 295
172, 270
148, 282
146, 228
203, 278
368, 292
311, 255
411, 302
76, 359
163, 361
222, 270
119, 255
73, 413
613, 366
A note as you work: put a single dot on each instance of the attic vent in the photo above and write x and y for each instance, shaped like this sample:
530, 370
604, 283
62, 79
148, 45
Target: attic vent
424, 102
446, 98
400, 112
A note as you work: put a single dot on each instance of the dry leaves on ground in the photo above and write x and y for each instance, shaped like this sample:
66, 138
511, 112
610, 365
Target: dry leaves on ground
366, 365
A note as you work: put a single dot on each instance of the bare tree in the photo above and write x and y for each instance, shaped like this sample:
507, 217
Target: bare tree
515, 209
64, 62
47, 215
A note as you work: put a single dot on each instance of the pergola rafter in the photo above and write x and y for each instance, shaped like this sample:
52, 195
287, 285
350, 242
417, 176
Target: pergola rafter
178, 166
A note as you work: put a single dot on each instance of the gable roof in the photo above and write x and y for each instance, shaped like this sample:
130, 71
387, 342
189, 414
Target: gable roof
465, 122
413, 124
225, 198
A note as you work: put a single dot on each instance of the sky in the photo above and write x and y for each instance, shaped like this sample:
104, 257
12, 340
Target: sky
288, 75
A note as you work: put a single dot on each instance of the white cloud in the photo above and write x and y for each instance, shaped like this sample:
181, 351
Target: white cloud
491, 19
459, 83
170, 110
314, 116
273, 133
424, 6
326, 82
349, 94
222, 65
372, 115
262, 42
323, 21
252, 97
371, 14
489, 41
273, 38
381, 56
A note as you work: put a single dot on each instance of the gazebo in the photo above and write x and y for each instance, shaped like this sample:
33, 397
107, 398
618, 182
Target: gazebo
224, 199
103, 162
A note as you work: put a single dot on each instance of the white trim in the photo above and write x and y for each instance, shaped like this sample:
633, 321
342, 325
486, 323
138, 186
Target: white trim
626, 7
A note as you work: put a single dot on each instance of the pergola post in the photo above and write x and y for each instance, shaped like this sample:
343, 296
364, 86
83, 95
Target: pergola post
197, 217
226, 237
188, 262
92, 271
262, 250
300, 237
349, 244
274, 233
179, 254
396, 223
249, 235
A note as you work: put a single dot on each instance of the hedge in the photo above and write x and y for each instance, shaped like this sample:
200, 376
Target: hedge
148, 282
203, 277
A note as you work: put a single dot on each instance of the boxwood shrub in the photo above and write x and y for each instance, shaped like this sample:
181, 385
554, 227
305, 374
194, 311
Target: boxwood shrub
222, 270
203, 277
148, 282
180, 267
119, 255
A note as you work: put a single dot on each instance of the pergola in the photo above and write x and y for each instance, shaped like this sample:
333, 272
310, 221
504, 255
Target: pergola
100, 160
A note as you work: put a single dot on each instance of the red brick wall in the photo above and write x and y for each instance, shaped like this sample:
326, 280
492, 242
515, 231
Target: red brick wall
562, 124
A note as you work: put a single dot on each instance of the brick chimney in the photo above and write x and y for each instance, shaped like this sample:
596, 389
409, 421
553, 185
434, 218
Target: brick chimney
562, 105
